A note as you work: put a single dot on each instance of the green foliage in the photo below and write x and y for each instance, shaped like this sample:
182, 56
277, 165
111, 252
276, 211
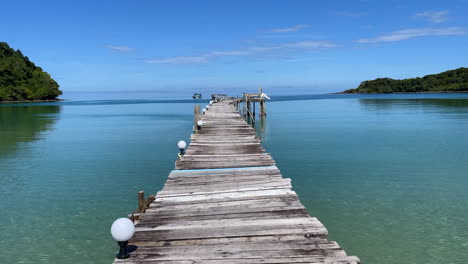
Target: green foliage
449, 81
21, 80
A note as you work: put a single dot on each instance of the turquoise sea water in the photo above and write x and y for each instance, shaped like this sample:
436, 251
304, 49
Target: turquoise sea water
386, 174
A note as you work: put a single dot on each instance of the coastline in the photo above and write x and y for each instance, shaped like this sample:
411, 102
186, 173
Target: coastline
428, 92
32, 101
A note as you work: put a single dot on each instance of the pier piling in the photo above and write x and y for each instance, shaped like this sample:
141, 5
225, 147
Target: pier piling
141, 201
196, 117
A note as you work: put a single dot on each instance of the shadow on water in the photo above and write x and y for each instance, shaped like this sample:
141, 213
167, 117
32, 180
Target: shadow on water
261, 128
436, 105
20, 124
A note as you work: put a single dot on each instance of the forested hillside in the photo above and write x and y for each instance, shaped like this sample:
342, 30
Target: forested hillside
22, 80
449, 81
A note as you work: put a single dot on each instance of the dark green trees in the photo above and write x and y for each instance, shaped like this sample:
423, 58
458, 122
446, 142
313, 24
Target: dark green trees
449, 81
21, 80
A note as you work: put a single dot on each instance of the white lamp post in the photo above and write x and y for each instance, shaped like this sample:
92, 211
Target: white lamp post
182, 145
199, 124
207, 107
122, 230
203, 110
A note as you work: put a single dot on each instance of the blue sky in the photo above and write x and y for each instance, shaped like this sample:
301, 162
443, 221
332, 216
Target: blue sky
304, 46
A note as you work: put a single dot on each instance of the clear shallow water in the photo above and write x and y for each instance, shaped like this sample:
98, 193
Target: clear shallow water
387, 175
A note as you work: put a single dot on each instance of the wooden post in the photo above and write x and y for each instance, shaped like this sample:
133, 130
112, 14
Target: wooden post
141, 202
196, 117
149, 200
262, 108
253, 102
249, 111
244, 113
262, 103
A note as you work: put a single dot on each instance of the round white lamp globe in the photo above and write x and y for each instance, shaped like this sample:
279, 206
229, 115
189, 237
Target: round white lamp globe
181, 144
207, 107
122, 229
204, 109
200, 123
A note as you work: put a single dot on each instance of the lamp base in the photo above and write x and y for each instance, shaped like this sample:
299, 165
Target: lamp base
123, 252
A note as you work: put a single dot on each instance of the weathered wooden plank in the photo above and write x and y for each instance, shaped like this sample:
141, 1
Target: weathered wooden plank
276, 260
221, 158
222, 164
223, 183
224, 187
265, 198
161, 217
227, 252
249, 245
250, 213
221, 178
226, 211
219, 150
225, 195
226, 224
202, 233
225, 171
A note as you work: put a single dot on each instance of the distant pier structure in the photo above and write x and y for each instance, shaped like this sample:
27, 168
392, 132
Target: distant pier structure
246, 105
226, 202
249, 100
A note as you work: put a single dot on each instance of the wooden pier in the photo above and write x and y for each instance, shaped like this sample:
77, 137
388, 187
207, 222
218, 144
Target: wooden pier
227, 202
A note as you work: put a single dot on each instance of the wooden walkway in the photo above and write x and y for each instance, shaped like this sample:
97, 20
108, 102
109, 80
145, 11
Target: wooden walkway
227, 202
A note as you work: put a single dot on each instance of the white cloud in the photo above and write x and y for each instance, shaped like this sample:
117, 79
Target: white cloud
309, 44
180, 60
119, 48
287, 29
295, 45
434, 16
230, 53
204, 58
414, 33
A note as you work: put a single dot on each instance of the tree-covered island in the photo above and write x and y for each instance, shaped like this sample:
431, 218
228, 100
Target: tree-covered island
22, 80
449, 81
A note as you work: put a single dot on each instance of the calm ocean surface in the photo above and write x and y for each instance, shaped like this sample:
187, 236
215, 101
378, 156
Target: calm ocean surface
386, 174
